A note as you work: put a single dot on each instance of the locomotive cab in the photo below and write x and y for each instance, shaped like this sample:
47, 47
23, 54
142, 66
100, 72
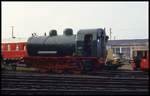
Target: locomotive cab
91, 43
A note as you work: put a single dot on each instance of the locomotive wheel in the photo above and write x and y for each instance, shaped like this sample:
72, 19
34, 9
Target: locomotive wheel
87, 68
60, 71
68, 71
135, 69
76, 71
43, 70
79, 69
72, 71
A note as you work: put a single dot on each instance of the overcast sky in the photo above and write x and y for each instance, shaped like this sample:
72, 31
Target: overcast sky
128, 20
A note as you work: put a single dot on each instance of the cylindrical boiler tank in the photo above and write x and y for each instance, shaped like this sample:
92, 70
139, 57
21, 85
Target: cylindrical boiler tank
52, 46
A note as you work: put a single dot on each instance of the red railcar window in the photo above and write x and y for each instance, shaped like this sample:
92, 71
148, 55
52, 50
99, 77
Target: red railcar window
2, 47
8, 47
17, 47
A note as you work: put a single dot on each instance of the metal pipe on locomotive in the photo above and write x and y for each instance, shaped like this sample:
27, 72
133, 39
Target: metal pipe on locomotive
83, 52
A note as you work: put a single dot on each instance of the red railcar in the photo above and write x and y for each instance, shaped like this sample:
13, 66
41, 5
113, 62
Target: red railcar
13, 49
143, 63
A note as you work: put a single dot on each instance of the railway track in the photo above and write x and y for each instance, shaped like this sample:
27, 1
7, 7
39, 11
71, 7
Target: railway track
35, 84
105, 73
120, 73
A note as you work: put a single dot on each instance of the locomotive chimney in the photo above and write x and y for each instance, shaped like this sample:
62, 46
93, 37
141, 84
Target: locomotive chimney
53, 33
68, 31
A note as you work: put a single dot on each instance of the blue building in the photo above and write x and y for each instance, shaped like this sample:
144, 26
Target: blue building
129, 48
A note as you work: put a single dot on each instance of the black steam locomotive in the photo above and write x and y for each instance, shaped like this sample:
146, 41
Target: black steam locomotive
84, 51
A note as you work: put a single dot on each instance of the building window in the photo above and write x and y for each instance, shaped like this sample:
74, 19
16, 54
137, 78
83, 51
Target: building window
113, 50
126, 52
144, 54
134, 54
17, 47
8, 47
117, 50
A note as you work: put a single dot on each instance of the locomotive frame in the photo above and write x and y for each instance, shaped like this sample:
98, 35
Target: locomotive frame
65, 64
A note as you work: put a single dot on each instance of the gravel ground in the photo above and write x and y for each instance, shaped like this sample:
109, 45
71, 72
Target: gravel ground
127, 66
